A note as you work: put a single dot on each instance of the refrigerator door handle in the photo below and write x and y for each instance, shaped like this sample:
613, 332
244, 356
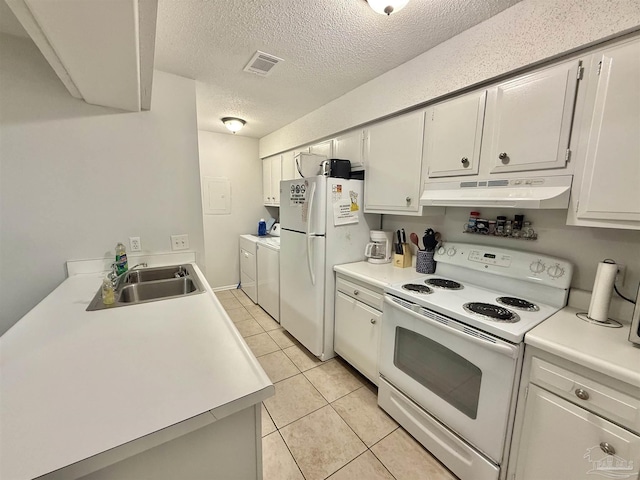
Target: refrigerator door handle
309, 234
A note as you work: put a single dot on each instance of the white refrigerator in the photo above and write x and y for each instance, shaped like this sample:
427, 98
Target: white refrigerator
322, 225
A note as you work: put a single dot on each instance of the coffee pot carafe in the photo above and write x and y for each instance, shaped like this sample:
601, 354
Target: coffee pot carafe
378, 250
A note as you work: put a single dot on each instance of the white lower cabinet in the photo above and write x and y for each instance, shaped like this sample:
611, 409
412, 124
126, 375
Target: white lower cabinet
574, 425
357, 326
269, 280
562, 440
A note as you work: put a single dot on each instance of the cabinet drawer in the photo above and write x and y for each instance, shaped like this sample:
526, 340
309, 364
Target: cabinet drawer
360, 293
589, 394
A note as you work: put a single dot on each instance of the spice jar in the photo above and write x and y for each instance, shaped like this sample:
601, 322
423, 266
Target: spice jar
471, 224
500, 224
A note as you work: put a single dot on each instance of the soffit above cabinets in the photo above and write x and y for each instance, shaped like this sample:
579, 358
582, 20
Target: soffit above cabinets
103, 50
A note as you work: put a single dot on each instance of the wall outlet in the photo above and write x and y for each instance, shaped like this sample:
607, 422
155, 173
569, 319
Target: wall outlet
619, 281
134, 244
180, 242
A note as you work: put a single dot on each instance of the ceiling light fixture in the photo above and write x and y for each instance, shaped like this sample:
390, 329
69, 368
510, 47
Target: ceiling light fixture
233, 124
387, 7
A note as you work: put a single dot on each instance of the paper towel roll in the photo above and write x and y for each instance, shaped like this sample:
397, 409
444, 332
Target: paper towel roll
602, 290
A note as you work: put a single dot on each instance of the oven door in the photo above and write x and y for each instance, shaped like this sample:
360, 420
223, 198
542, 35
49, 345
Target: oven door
462, 376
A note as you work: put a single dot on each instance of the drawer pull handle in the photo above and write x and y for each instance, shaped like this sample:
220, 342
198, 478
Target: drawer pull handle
373, 321
582, 394
356, 292
607, 448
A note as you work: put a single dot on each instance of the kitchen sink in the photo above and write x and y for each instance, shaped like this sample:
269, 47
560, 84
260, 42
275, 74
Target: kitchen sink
150, 285
144, 292
158, 273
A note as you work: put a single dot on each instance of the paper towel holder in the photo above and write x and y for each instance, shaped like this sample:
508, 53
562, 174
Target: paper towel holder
609, 322
608, 267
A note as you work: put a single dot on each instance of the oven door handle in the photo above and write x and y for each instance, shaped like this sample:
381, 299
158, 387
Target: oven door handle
509, 350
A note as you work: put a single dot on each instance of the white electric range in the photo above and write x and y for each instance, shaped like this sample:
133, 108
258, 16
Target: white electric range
451, 349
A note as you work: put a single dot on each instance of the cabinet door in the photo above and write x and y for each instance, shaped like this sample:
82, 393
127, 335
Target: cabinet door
453, 133
349, 147
266, 181
610, 185
393, 162
562, 440
288, 166
357, 335
323, 148
528, 121
276, 176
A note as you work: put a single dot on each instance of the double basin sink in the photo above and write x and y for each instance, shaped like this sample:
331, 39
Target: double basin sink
150, 285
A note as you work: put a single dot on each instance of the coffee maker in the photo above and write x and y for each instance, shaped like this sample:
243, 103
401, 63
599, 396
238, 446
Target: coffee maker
379, 249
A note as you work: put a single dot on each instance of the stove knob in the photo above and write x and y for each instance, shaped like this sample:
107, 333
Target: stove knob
555, 271
452, 251
441, 251
537, 267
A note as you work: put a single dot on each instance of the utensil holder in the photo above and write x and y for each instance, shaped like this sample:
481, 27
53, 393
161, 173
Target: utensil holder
425, 262
404, 260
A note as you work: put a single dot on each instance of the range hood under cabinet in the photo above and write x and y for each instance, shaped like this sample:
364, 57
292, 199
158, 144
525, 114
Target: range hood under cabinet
525, 192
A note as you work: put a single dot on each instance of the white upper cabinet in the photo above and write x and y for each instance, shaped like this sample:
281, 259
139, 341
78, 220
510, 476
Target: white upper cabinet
608, 189
528, 120
453, 134
289, 171
323, 148
350, 147
271, 175
393, 162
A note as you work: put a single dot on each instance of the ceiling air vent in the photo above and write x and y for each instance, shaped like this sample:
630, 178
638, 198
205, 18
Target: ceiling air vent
262, 63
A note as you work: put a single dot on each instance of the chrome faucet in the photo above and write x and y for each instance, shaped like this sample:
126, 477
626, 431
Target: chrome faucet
115, 278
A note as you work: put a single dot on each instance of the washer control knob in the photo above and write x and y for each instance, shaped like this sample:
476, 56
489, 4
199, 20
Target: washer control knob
555, 271
452, 251
537, 267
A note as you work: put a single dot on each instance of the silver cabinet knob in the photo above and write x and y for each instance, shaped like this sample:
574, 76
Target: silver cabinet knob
464, 161
356, 292
408, 199
582, 394
504, 157
373, 321
607, 448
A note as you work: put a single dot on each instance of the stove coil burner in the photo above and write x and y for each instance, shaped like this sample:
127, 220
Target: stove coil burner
491, 312
415, 287
518, 303
444, 283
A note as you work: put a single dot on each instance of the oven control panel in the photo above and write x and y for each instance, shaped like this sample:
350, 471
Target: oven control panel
501, 260
536, 267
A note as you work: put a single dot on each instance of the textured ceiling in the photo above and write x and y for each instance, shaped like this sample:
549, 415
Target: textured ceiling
329, 46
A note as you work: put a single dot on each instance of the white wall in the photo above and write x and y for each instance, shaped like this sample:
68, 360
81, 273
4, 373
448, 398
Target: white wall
235, 158
582, 246
529, 32
77, 178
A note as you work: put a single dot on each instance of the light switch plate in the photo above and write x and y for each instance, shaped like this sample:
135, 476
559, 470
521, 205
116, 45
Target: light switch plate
180, 242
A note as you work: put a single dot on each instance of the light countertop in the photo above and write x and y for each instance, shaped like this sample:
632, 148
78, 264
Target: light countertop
75, 384
605, 350
377, 274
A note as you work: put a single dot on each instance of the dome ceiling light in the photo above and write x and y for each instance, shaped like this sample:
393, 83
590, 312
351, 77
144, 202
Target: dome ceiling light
387, 7
233, 124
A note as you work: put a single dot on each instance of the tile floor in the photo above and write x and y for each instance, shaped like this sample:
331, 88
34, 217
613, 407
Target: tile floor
324, 421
